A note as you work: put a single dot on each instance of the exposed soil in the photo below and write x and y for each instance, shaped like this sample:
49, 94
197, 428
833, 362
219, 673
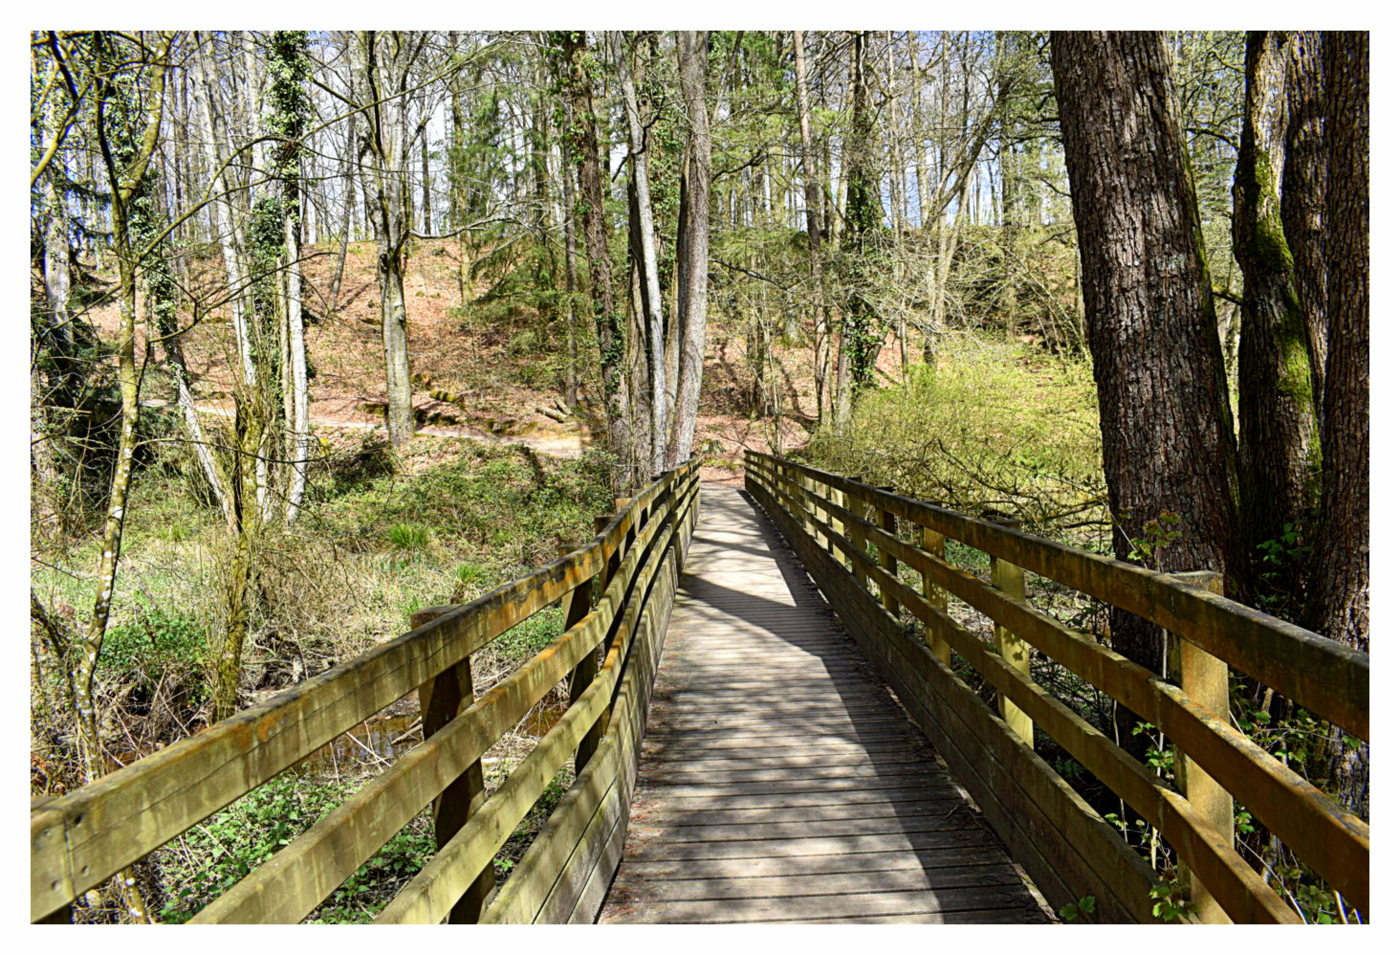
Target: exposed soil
498, 372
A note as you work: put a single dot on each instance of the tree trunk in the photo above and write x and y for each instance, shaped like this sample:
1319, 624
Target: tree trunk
694, 226
861, 334
1168, 447
1304, 195
1341, 578
645, 232
611, 330
386, 72
812, 197
1278, 435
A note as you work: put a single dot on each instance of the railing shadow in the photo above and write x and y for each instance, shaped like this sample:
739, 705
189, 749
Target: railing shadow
898, 825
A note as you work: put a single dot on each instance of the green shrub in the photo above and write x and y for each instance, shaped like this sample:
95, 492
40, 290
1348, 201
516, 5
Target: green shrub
993, 425
156, 641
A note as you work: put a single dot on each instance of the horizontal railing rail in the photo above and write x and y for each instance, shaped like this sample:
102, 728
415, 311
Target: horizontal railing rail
834, 523
81, 839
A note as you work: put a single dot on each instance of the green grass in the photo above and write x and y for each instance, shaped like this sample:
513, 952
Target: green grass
994, 425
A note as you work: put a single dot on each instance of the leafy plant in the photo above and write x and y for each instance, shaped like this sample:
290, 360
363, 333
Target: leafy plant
155, 641
1156, 535
1168, 901
409, 537
1085, 905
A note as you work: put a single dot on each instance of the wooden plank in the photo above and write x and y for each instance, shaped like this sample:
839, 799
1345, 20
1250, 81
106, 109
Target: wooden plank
924, 902
806, 884
438, 702
669, 816
813, 865
812, 828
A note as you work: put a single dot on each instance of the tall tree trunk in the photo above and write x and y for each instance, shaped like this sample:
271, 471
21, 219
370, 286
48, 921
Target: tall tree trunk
386, 75
1278, 435
300, 391
693, 270
645, 232
571, 370
812, 198
1304, 195
611, 330
1341, 578
862, 336
1168, 447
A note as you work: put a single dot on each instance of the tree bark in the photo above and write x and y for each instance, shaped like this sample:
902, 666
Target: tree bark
1341, 578
1304, 195
692, 267
583, 142
386, 75
1278, 435
645, 232
1168, 446
812, 198
862, 336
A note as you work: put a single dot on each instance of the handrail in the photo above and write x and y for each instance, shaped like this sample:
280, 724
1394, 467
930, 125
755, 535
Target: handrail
825, 517
81, 839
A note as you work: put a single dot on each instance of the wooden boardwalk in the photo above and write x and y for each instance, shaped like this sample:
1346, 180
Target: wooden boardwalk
779, 782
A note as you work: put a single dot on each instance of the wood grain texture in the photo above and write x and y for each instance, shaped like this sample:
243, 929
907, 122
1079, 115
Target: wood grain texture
1335, 842
778, 780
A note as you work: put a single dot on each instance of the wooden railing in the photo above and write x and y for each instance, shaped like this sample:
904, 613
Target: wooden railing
849, 536
81, 839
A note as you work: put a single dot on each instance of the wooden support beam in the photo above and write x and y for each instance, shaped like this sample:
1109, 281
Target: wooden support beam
576, 607
439, 701
889, 524
1205, 679
934, 543
1011, 580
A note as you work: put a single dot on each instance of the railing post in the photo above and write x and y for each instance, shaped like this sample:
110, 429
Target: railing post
605, 576
890, 525
576, 607
439, 701
1206, 680
1011, 581
856, 505
836, 527
933, 543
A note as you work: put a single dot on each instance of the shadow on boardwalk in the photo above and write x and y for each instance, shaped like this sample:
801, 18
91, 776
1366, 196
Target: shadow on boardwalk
779, 781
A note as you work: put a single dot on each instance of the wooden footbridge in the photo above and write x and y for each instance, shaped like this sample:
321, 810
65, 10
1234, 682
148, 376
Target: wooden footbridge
771, 720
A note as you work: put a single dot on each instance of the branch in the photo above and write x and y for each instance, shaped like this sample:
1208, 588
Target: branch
1228, 296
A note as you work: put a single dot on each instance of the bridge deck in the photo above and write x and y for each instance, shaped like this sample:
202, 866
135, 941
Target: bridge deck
779, 782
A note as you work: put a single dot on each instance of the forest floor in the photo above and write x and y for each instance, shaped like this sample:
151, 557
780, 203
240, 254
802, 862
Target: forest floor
501, 374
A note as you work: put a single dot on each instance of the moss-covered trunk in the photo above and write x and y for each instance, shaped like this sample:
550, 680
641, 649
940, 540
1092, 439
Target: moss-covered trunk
1278, 433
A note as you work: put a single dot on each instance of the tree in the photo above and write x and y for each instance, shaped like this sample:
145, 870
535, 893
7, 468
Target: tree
693, 245
1168, 445
644, 230
1340, 606
1304, 194
288, 113
386, 69
862, 334
1278, 434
